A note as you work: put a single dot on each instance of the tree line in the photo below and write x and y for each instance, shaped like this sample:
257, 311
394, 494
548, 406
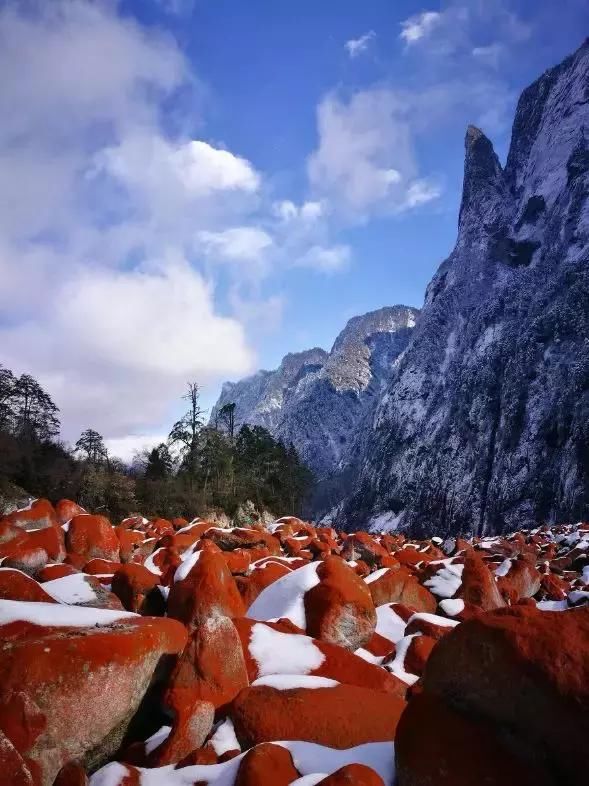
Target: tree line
200, 467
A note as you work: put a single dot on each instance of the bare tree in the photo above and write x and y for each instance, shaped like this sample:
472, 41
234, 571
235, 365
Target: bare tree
186, 431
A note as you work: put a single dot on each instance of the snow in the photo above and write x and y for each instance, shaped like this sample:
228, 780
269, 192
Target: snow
585, 574
578, 595
111, 775
309, 780
376, 575
190, 526
489, 543
224, 739
552, 605
291, 681
153, 742
283, 653
452, 606
368, 656
389, 624
385, 522
71, 589
164, 591
56, 615
397, 666
504, 568
309, 759
26, 507
189, 560
263, 561
150, 564
285, 597
446, 582
434, 619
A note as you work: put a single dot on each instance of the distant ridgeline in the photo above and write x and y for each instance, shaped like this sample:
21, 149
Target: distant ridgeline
472, 415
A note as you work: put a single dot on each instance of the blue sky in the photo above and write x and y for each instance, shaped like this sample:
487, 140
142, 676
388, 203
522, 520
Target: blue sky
191, 189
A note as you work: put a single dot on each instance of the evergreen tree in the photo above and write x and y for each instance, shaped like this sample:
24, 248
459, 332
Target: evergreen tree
91, 444
34, 413
159, 463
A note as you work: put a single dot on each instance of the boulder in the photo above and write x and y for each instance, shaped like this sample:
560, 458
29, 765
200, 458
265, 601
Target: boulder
479, 587
92, 536
436, 746
136, 588
271, 648
398, 585
339, 609
66, 510
522, 580
30, 551
339, 717
39, 514
266, 765
16, 585
353, 775
207, 591
82, 673
418, 652
523, 670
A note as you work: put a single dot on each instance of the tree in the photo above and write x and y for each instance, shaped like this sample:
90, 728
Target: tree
35, 414
159, 463
7, 382
185, 432
92, 445
226, 416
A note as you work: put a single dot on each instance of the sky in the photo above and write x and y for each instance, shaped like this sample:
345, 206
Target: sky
190, 189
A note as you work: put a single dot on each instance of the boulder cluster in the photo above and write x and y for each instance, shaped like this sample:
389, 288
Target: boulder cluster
176, 653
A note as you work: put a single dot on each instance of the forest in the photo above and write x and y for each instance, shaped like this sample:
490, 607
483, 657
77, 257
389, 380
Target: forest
199, 469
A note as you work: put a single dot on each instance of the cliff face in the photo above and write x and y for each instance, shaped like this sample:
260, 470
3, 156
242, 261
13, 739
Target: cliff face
484, 423
316, 399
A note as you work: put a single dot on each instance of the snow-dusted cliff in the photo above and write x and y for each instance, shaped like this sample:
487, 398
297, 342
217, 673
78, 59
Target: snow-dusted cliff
316, 399
485, 422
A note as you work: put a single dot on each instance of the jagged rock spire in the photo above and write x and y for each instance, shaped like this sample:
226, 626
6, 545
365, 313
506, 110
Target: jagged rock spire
482, 172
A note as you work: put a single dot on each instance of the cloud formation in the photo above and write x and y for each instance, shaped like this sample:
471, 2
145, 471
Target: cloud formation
355, 46
365, 161
419, 26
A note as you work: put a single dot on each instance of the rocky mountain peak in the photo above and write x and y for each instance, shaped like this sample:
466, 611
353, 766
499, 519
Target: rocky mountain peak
483, 183
316, 399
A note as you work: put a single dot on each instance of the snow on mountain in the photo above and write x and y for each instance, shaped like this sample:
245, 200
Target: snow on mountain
316, 399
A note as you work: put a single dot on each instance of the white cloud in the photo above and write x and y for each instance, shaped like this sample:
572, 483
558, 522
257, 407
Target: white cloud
355, 46
124, 343
240, 244
126, 448
419, 193
326, 260
150, 163
365, 160
286, 210
419, 26
491, 54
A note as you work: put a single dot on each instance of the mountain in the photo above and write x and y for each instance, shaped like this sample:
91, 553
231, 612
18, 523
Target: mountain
316, 399
484, 424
